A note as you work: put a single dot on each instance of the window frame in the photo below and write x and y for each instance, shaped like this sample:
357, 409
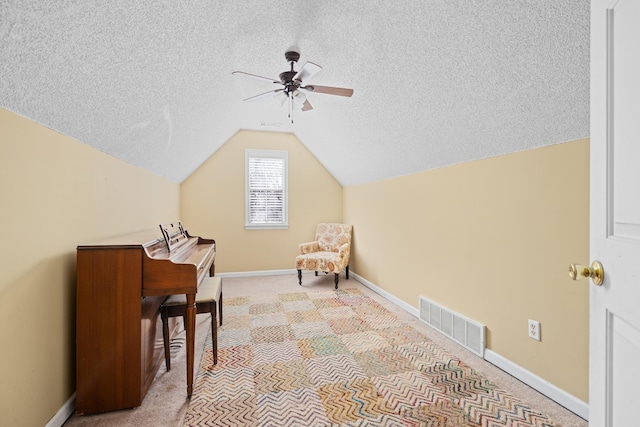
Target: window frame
267, 154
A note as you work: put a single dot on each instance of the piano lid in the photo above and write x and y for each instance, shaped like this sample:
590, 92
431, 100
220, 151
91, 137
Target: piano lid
132, 240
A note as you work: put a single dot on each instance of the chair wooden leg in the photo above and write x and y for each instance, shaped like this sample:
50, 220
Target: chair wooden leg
165, 337
300, 277
316, 274
337, 277
347, 272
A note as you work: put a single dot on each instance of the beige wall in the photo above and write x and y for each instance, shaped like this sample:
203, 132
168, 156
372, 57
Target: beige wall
492, 240
54, 194
213, 204
495, 235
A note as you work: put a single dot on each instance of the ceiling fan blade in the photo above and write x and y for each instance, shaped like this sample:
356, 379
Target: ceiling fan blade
264, 95
340, 91
306, 106
308, 70
253, 76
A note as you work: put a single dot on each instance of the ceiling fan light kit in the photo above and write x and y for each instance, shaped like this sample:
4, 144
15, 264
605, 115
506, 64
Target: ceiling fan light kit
293, 83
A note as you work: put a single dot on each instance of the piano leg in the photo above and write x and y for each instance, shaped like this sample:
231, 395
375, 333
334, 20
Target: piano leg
191, 329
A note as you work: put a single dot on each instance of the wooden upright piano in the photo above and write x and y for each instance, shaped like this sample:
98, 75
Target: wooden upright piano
121, 283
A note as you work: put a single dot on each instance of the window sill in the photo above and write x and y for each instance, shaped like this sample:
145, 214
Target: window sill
266, 226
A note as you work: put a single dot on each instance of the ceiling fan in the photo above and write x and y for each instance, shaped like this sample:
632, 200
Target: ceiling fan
294, 82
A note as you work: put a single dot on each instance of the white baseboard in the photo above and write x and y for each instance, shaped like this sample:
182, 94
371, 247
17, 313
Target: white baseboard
257, 273
554, 393
414, 311
63, 413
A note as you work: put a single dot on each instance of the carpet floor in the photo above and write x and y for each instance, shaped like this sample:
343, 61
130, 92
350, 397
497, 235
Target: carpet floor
339, 358
165, 404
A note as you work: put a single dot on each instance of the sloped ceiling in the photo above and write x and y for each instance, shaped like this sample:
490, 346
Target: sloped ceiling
436, 82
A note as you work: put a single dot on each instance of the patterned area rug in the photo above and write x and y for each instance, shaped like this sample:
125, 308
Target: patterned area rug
338, 358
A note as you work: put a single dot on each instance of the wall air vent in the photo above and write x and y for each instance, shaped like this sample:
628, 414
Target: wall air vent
466, 332
271, 124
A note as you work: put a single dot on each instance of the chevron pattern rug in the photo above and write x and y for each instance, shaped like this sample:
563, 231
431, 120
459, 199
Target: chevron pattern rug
338, 358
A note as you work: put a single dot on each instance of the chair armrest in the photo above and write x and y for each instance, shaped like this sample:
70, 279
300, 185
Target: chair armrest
306, 248
344, 251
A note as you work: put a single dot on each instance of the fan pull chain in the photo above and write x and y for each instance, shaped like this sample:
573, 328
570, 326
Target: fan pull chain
291, 106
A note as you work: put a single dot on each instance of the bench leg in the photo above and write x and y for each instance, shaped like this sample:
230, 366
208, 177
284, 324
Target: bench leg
165, 337
220, 308
190, 323
214, 332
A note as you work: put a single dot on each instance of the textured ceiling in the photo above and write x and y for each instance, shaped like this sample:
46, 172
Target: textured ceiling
436, 82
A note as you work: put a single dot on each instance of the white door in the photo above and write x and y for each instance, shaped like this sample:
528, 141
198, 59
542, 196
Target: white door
614, 372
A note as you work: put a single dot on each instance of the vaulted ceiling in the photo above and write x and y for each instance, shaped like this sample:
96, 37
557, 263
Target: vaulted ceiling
436, 82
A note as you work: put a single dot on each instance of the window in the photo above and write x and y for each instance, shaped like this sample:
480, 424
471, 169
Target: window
266, 189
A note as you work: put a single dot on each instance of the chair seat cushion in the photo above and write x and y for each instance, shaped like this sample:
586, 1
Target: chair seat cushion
320, 261
208, 291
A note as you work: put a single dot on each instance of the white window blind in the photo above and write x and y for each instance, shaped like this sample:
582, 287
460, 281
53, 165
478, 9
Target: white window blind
266, 189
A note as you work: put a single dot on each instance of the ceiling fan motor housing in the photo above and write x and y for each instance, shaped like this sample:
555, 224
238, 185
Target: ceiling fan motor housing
290, 85
287, 76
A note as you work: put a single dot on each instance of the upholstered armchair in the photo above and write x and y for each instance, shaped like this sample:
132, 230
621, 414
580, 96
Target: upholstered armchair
329, 252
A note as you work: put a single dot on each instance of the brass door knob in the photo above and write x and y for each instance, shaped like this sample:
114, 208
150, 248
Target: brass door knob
596, 272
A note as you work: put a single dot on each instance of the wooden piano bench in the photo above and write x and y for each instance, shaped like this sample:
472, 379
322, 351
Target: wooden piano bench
209, 296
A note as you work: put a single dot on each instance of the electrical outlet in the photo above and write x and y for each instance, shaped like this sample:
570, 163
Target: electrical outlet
534, 330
